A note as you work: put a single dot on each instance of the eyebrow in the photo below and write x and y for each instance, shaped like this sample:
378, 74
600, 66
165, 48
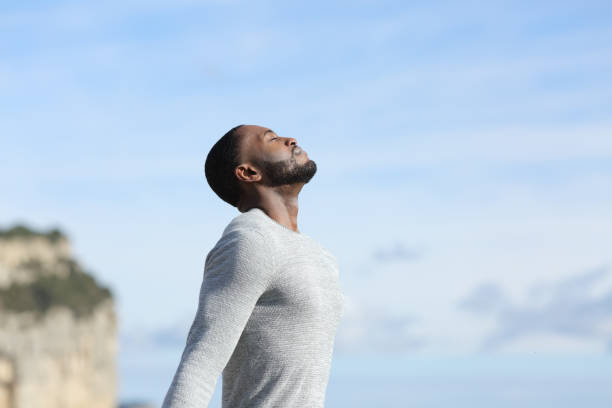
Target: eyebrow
266, 132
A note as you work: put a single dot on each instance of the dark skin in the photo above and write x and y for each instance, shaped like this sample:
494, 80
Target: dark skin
279, 202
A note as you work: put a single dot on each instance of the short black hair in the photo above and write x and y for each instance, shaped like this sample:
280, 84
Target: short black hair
220, 164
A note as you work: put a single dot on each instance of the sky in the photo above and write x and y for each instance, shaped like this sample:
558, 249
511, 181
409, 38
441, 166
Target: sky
464, 155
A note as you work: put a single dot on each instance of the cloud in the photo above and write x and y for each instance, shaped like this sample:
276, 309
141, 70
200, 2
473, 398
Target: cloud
485, 298
170, 336
570, 308
387, 255
397, 253
368, 329
572, 287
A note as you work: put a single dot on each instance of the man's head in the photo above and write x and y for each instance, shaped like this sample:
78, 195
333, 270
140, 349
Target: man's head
248, 155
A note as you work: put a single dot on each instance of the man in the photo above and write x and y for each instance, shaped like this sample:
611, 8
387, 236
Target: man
270, 300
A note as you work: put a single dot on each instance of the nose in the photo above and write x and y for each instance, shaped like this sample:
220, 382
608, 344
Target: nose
291, 141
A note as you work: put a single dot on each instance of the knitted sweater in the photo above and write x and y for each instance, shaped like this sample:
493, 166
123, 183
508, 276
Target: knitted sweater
269, 306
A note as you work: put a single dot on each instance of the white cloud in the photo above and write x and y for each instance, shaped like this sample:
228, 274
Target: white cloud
559, 314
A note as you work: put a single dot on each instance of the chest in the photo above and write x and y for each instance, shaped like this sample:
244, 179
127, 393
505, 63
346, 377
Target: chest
307, 283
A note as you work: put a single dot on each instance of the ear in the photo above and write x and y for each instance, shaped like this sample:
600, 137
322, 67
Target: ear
247, 173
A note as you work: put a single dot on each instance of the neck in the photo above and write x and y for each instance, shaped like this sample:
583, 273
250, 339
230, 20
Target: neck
280, 205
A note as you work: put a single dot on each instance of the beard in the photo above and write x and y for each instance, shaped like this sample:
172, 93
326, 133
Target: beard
288, 172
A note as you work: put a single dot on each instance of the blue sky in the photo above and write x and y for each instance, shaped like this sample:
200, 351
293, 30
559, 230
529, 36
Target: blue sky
463, 150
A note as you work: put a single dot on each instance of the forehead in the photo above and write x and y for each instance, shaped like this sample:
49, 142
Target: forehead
254, 132
252, 138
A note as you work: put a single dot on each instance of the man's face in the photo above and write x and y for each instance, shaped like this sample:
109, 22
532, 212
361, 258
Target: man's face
279, 158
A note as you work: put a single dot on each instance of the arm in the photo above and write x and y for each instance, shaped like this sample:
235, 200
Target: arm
237, 271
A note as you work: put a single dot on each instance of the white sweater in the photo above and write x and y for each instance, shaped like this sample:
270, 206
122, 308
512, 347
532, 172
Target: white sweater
269, 306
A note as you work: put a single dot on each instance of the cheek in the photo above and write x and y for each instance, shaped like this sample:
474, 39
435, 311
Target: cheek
277, 154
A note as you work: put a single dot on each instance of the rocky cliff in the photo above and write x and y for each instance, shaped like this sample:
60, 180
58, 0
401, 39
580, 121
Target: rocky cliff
58, 326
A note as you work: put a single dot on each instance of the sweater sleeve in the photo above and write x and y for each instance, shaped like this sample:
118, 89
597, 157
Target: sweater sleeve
236, 273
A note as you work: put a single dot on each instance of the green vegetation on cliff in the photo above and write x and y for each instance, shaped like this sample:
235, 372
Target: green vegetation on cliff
21, 231
78, 291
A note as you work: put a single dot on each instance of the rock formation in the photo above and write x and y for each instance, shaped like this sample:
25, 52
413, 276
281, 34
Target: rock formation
58, 326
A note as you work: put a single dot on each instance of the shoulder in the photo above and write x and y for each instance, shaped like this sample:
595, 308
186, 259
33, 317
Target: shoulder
249, 220
244, 235
250, 227
242, 251
242, 239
